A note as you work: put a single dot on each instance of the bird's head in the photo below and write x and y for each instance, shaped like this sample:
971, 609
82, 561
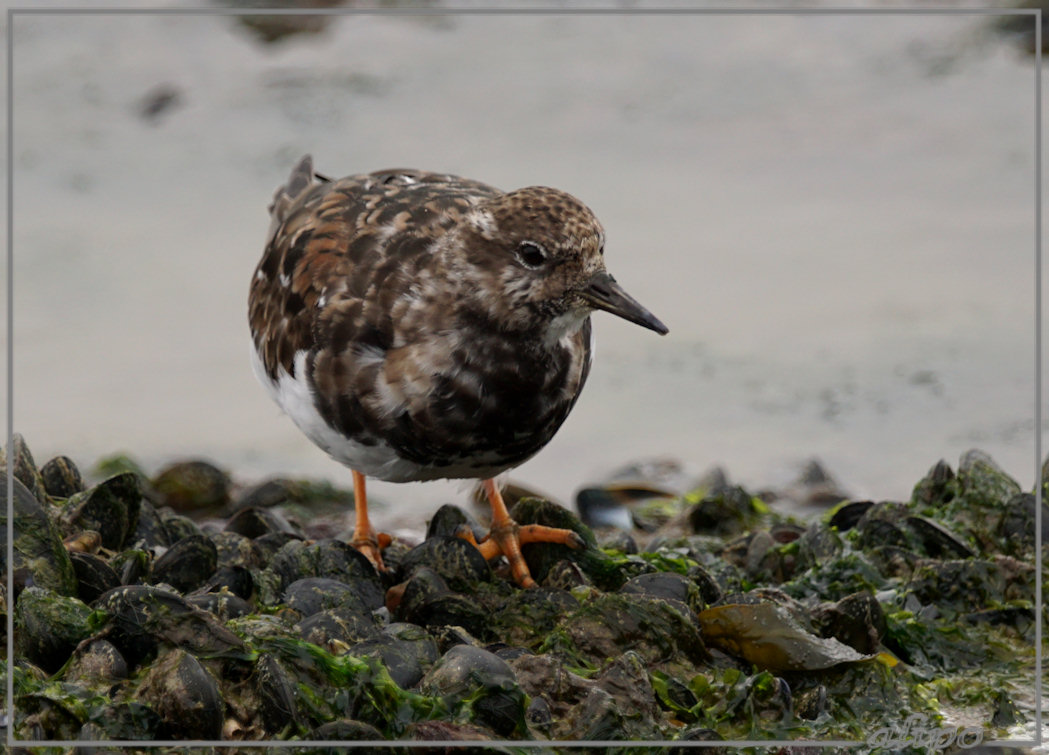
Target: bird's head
535, 256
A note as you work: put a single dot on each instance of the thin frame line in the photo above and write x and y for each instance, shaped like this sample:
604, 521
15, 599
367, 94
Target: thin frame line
1036, 13
524, 11
9, 483
1039, 558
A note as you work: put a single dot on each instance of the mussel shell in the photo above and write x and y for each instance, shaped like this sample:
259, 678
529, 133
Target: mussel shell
345, 626
187, 564
315, 594
458, 562
192, 486
470, 672
99, 660
140, 617
61, 477
111, 508
848, 514
676, 589
255, 522
858, 620
428, 601
223, 605
331, 559
407, 655
938, 541
94, 576
186, 697
278, 694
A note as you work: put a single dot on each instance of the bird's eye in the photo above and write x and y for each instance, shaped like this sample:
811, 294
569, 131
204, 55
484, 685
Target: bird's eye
531, 254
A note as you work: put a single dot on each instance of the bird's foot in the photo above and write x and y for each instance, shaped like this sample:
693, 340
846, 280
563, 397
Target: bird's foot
506, 539
371, 545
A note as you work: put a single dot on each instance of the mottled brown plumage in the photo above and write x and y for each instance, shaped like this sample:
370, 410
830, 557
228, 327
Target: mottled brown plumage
420, 326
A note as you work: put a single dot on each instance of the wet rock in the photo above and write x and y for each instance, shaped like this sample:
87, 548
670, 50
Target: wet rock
111, 509
468, 672
185, 695
61, 478
186, 564
192, 486
38, 549
48, 626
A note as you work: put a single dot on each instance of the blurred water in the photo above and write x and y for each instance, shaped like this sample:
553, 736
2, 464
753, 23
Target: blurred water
833, 214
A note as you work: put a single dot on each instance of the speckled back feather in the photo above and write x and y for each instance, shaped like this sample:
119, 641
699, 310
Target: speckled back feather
371, 278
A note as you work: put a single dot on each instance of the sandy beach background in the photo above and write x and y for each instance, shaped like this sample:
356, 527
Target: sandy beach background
834, 215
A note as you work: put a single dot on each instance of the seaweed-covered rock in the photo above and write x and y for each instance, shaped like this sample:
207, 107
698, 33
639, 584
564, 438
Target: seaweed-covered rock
468, 674
38, 549
48, 627
611, 624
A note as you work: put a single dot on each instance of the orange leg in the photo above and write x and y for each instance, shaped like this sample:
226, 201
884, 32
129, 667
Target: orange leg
365, 538
506, 537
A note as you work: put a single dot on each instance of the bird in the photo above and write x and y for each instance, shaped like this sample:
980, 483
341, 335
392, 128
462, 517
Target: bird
419, 326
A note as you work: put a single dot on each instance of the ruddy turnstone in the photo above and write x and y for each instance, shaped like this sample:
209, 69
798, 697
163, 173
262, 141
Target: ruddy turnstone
421, 326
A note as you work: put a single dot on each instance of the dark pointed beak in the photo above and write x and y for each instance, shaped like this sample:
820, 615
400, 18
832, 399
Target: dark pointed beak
603, 292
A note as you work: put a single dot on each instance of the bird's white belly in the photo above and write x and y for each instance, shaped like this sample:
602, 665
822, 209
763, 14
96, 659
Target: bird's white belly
293, 395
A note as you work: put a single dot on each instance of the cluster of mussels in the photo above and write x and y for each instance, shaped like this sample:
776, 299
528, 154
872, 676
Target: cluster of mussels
134, 622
